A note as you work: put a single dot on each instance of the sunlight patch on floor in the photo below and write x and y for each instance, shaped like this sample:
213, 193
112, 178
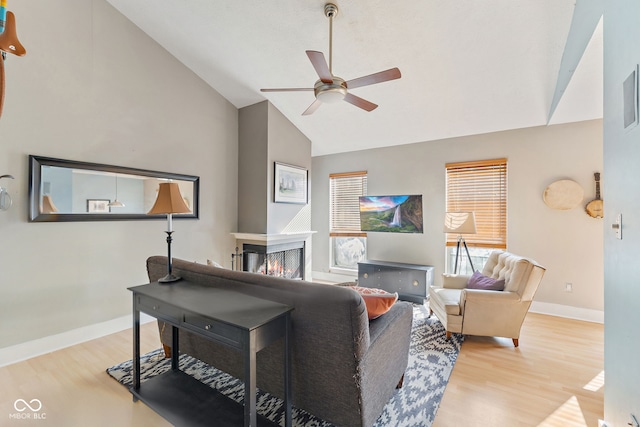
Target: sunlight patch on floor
570, 410
596, 383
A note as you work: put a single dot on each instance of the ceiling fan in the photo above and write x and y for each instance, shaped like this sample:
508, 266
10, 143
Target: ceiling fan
330, 88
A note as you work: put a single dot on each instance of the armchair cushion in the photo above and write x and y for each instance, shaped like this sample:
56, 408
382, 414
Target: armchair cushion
483, 296
455, 281
480, 281
449, 299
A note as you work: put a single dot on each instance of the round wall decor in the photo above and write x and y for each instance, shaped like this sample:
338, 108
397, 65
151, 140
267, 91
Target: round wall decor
563, 195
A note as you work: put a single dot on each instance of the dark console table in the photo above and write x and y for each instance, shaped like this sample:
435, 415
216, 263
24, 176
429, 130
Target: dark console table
239, 321
410, 281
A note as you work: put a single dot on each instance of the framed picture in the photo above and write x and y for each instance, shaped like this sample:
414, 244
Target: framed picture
98, 205
290, 184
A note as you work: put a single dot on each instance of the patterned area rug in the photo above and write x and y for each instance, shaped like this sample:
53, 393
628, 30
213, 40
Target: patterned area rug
431, 360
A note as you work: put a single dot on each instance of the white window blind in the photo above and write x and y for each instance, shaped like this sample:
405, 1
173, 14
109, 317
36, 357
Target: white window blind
480, 187
345, 190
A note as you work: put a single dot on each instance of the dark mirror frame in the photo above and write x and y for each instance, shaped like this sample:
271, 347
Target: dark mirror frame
35, 168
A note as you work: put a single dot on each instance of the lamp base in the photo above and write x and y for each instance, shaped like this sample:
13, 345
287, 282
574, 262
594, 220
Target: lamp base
461, 240
169, 278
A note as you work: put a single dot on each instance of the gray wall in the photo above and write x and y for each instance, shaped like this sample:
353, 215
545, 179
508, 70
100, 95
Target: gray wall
287, 145
621, 192
567, 243
266, 137
253, 149
93, 87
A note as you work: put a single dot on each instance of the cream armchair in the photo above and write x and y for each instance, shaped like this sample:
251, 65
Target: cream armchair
485, 312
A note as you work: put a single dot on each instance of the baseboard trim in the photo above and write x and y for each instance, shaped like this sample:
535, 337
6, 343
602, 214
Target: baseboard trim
30, 349
577, 313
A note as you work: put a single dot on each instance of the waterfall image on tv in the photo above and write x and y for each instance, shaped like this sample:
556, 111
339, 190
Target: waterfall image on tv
396, 214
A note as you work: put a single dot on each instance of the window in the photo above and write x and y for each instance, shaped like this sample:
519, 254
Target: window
348, 244
479, 187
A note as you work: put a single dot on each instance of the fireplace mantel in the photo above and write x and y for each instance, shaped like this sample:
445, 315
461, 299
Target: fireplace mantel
268, 239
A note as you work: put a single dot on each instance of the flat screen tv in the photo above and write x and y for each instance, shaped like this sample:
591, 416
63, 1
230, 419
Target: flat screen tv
396, 214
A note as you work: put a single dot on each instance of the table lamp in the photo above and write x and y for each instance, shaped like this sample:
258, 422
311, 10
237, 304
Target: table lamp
169, 202
460, 223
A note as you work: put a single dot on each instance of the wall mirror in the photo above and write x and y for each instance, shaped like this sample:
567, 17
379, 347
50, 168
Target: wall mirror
67, 190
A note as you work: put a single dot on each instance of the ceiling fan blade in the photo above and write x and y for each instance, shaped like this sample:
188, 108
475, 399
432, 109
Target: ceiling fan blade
313, 107
320, 64
288, 89
382, 76
359, 102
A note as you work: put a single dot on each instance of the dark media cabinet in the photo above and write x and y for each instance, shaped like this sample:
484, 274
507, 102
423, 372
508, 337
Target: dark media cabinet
410, 281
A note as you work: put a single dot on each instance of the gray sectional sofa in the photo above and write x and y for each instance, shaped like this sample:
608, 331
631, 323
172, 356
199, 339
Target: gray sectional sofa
345, 368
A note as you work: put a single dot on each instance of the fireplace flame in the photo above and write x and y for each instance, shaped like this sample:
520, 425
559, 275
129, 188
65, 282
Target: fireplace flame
276, 268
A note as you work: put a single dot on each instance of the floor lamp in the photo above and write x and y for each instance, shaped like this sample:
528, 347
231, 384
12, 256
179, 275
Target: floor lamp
460, 223
169, 202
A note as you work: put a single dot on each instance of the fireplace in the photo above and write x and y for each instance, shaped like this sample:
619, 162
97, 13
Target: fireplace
281, 260
281, 254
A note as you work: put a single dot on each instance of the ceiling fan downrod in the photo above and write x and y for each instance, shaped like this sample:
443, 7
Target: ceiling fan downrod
330, 10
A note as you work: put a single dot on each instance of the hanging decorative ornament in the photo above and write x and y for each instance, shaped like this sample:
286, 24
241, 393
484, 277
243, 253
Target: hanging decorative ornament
9, 43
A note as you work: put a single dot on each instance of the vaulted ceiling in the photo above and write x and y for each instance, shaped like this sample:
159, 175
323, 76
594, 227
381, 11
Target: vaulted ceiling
468, 66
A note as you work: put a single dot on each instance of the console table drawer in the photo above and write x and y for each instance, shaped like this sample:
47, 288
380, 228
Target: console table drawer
159, 309
222, 332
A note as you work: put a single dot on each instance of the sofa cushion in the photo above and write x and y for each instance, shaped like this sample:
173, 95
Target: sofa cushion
378, 301
480, 281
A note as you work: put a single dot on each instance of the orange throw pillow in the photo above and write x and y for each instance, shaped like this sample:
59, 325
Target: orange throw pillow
378, 301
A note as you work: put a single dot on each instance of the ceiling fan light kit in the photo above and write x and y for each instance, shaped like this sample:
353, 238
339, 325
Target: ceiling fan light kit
331, 89
330, 93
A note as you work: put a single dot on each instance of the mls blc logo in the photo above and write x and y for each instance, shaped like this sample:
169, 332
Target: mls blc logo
28, 410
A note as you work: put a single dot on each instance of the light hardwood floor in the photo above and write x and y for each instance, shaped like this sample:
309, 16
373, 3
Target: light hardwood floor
75, 389
553, 379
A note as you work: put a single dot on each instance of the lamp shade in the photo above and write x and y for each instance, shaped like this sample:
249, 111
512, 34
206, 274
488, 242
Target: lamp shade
169, 200
460, 222
47, 205
116, 203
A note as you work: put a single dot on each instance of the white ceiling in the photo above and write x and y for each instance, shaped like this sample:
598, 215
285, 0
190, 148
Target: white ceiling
468, 66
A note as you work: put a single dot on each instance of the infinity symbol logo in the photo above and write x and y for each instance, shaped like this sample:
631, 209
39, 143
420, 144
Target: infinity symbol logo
21, 405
